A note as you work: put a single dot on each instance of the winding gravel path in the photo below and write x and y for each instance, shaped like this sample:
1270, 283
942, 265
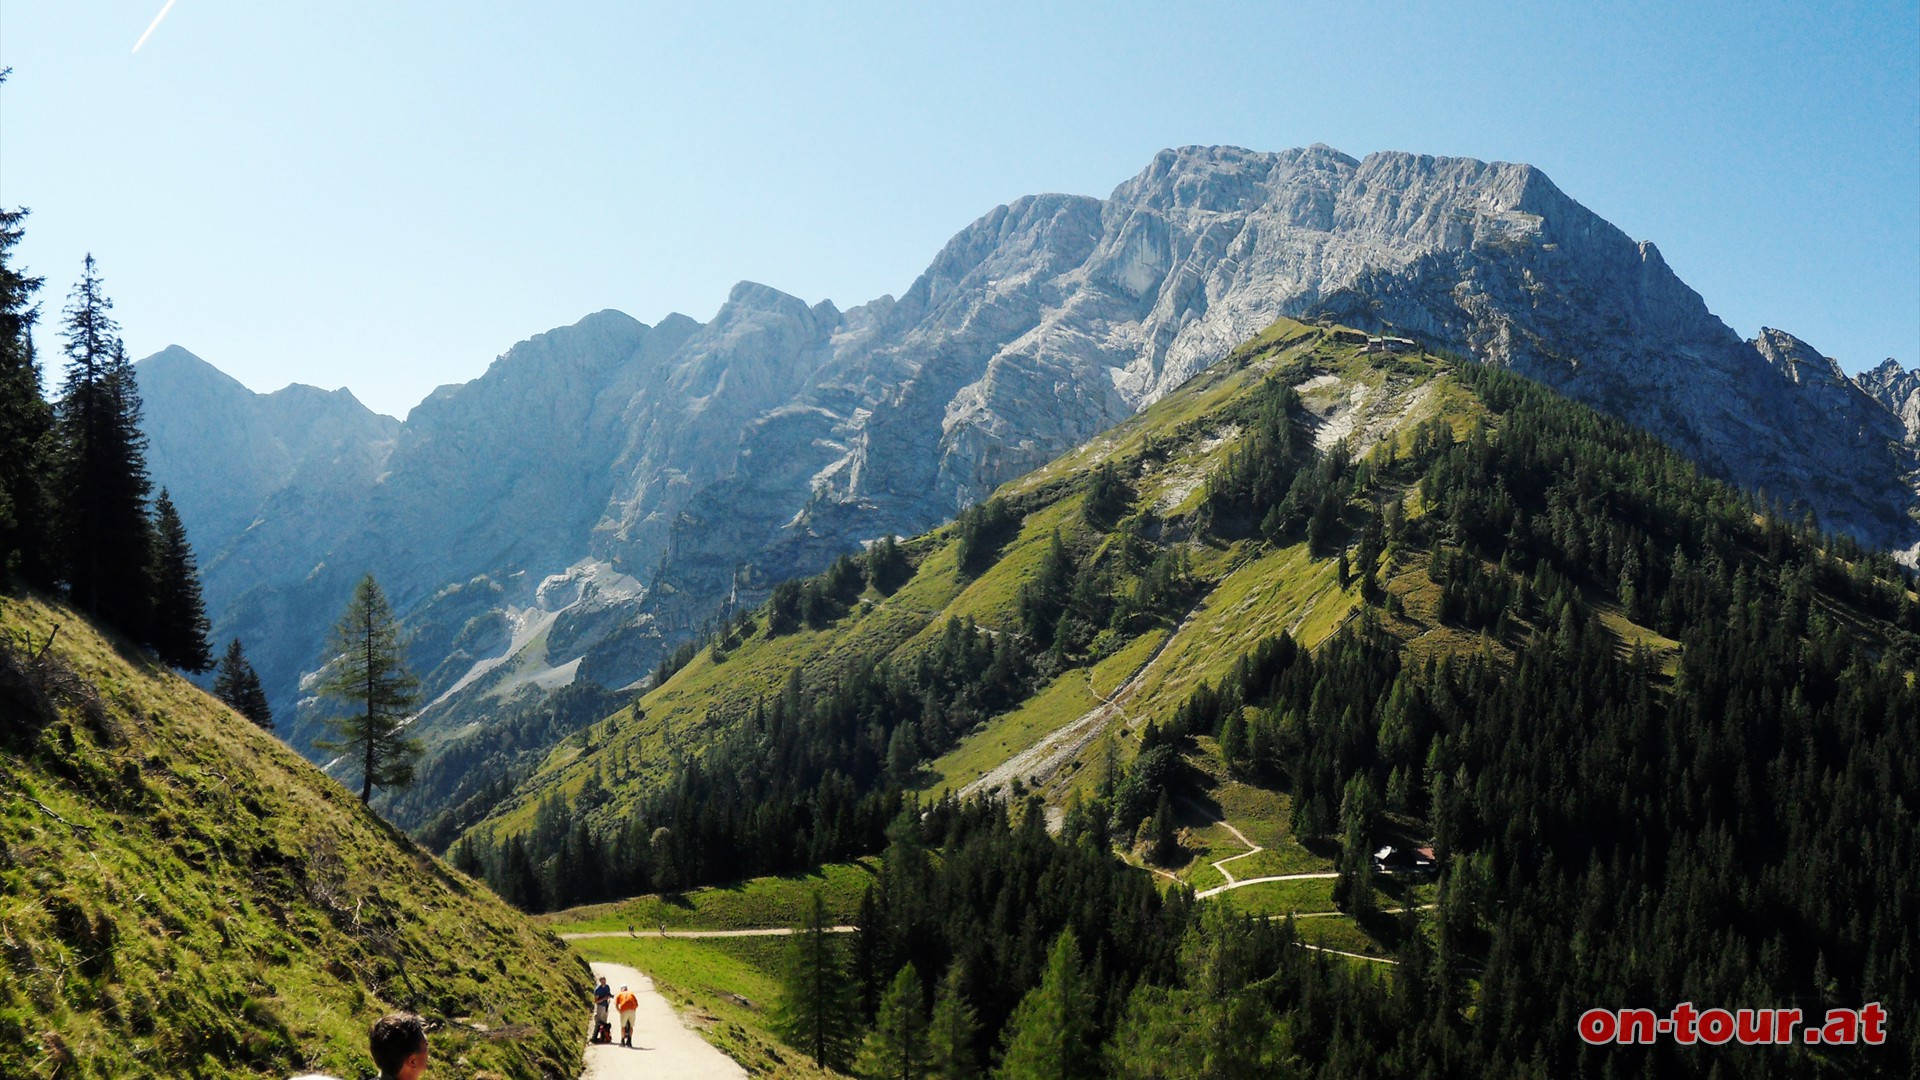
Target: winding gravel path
1218, 889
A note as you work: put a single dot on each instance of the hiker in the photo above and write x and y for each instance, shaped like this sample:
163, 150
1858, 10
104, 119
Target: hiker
628, 1006
602, 994
398, 1043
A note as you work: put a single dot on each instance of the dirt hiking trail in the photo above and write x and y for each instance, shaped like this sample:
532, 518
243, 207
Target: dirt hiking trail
663, 1046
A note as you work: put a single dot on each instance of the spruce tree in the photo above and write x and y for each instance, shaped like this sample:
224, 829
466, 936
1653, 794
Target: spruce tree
1359, 805
236, 684
950, 1034
180, 627
1166, 840
1051, 1036
104, 536
896, 1048
818, 1007
887, 565
26, 421
368, 673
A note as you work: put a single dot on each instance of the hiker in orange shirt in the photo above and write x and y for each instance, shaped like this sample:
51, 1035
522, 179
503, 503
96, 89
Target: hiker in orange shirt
627, 1005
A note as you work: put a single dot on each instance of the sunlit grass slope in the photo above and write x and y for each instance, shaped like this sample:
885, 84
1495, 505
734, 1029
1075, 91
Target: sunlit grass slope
182, 895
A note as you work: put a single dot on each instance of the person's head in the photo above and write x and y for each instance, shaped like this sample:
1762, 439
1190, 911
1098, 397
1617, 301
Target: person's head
603, 980
399, 1046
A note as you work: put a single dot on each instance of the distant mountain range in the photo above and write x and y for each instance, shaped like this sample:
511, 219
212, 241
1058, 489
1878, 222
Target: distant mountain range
604, 488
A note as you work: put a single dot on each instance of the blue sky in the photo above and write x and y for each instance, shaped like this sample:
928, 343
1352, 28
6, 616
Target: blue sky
385, 196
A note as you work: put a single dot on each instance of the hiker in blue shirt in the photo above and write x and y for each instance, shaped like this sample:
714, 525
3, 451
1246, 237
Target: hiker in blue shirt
602, 996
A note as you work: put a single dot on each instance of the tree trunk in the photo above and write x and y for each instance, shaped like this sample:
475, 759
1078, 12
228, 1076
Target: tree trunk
366, 780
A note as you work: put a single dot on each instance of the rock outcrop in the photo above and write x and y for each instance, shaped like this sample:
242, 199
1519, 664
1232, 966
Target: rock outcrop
656, 473
1898, 389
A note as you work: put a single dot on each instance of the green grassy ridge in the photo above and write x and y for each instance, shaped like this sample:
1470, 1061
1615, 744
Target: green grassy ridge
1166, 449
180, 894
1251, 590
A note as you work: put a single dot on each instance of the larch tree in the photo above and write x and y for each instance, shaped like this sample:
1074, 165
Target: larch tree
368, 673
896, 1048
179, 628
1050, 1035
237, 684
950, 1034
818, 1008
104, 535
26, 421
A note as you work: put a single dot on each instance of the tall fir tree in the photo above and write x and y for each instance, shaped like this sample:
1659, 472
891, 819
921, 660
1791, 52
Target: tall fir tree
26, 422
368, 673
896, 1048
1164, 836
1051, 1034
237, 684
1353, 891
179, 614
951, 1032
818, 1002
104, 536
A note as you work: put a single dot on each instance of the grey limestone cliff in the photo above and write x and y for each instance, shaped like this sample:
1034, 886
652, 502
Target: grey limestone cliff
605, 487
1898, 389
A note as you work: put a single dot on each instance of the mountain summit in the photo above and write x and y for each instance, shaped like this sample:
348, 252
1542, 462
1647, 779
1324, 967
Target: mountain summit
604, 488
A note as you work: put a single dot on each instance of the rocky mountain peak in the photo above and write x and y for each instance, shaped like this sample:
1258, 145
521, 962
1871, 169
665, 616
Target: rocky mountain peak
696, 463
1796, 360
1898, 389
175, 364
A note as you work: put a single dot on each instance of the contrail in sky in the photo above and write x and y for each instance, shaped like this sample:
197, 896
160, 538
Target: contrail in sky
154, 25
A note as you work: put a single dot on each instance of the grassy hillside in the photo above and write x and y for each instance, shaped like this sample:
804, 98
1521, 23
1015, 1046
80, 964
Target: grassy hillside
181, 895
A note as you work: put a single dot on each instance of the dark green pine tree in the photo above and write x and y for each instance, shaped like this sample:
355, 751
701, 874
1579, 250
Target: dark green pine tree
179, 615
818, 1003
104, 537
1165, 838
238, 685
1353, 891
368, 673
26, 422
887, 565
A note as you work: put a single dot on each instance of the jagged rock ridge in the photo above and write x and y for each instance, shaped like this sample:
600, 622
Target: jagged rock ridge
605, 487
